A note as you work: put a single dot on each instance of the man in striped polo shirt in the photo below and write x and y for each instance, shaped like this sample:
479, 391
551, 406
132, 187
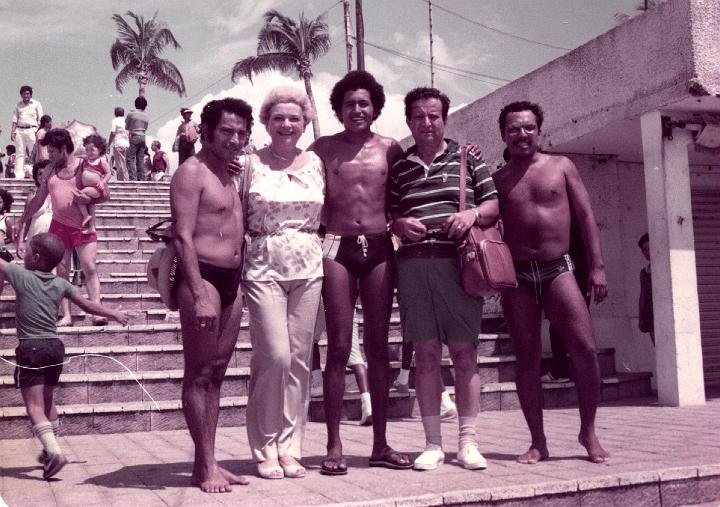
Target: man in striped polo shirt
434, 308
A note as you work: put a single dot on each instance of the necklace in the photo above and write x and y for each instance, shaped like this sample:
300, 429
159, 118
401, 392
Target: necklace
280, 157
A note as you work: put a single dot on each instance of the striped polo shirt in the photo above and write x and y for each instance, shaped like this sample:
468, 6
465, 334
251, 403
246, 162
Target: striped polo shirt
432, 193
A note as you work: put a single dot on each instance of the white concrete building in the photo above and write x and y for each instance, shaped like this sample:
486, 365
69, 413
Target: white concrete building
628, 107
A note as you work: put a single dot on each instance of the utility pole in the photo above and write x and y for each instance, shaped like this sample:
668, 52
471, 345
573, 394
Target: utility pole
348, 34
432, 69
360, 35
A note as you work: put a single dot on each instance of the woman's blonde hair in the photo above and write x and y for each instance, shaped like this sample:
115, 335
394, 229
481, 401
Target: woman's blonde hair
283, 95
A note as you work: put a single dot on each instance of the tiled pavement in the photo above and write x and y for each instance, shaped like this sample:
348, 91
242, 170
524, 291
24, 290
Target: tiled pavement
660, 456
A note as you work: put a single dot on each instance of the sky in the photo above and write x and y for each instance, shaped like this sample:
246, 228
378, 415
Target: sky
62, 49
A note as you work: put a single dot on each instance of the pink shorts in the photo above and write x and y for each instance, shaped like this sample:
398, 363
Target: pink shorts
71, 236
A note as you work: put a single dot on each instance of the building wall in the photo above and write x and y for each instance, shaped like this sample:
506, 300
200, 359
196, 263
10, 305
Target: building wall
617, 191
639, 66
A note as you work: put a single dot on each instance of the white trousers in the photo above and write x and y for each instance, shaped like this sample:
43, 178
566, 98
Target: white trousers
24, 144
282, 320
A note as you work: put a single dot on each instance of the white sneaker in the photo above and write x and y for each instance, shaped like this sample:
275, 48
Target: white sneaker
448, 410
549, 378
316, 388
430, 458
365, 410
470, 458
400, 387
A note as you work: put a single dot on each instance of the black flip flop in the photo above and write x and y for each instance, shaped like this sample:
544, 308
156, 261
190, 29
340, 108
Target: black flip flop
338, 470
386, 462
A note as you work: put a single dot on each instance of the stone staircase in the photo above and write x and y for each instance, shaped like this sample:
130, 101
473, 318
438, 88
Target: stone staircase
98, 395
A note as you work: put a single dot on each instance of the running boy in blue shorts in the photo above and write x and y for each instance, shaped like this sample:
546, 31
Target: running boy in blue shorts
40, 354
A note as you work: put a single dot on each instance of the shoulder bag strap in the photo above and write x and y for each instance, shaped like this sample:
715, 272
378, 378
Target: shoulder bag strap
463, 177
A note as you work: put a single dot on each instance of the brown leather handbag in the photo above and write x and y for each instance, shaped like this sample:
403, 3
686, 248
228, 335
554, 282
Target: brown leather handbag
486, 266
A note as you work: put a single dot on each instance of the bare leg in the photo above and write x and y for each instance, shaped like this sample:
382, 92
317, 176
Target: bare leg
34, 399
361, 377
427, 376
566, 310
339, 295
522, 314
376, 294
87, 254
467, 380
63, 271
49, 403
207, 353
88, 210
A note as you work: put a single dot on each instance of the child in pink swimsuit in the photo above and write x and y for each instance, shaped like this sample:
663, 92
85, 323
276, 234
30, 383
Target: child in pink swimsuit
96, 173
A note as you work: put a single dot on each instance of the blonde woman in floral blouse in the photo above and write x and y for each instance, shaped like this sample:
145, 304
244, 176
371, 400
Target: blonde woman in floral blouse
282, 281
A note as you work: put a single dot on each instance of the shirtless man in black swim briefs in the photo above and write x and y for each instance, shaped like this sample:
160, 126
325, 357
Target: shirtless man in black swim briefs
358, 258
209, 241
538, 194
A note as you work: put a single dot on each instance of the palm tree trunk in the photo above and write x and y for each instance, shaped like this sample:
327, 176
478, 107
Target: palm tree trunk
315, 122
142, 83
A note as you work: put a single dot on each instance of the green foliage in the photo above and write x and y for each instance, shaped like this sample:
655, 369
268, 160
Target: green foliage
137, 54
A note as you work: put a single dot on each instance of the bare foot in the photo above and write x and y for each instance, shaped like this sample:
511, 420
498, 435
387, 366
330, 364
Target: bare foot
64, 322
240, 480
214, 481
596, 453
534, 455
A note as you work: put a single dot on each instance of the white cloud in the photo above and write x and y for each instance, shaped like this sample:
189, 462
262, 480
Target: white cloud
234, 18
391, 122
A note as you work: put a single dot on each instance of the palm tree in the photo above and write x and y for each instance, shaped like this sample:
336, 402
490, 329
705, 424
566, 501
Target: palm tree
136, 52
285, 45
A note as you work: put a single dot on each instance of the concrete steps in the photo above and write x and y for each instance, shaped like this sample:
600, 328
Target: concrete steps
97, 395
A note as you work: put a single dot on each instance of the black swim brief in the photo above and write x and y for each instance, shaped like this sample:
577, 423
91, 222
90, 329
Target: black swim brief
225, 280
538, 275
359, 254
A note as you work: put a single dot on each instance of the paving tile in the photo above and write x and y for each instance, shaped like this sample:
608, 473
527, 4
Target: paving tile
708, 488
679, 492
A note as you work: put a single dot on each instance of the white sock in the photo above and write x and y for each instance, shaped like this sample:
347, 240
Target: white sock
45, 434
55, 423
366, 404
403, 377
466, 430
431, 425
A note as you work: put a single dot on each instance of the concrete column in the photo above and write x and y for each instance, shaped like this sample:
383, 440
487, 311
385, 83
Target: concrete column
678, 351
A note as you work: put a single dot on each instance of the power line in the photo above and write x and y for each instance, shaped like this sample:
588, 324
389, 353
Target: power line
225, 75
446, 68
330, 8
496, 30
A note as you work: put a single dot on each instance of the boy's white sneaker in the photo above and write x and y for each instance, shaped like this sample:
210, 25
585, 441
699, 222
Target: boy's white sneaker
316, 388
53, 465
430, 458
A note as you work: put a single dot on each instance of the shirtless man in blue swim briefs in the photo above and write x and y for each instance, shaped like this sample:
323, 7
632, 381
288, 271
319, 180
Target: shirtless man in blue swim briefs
538, 195
358, 258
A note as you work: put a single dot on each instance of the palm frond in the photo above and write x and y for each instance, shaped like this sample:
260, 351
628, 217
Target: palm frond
164, 74
128, 72
246, 67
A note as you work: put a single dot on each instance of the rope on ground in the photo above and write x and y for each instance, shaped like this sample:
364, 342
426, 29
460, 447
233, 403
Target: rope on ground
134, 377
